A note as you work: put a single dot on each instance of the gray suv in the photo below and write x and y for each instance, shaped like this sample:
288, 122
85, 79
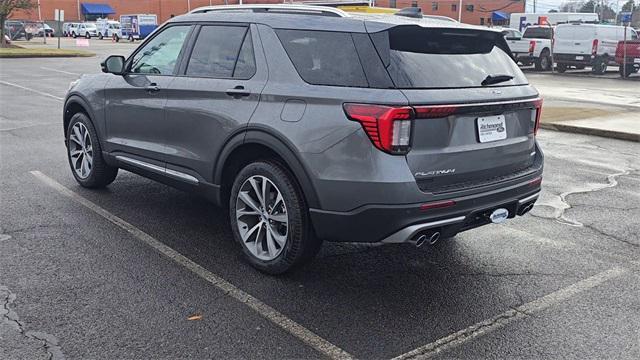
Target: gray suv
310, 126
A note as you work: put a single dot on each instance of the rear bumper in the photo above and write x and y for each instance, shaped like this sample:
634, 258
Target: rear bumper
572, 59
398, 223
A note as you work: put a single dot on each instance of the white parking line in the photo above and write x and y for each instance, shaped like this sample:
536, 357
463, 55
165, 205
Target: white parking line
509, 316
32, 90
60, 71
266, 311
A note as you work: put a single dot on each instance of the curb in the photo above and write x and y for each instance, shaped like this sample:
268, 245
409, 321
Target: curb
592, 131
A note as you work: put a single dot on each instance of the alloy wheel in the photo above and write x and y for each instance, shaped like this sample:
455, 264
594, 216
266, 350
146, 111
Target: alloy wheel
262, 218
80, 150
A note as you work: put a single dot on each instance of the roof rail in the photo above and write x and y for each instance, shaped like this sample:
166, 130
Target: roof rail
274, 8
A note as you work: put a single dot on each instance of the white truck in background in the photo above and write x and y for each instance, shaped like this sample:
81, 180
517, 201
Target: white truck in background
109, 29
534, 47
521, 21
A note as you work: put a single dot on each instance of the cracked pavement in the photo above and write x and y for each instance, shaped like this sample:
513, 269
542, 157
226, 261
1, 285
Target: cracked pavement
89, 288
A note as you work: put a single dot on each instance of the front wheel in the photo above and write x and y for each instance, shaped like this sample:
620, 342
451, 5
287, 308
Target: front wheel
85, 154
270, 219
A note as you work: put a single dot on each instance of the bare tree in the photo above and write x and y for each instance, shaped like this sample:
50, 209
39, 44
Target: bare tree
6, 8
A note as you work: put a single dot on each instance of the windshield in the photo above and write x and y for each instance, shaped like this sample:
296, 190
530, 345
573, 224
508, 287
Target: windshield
419, 57
537, 33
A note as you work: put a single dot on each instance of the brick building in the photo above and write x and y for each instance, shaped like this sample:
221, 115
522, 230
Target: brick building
479, 12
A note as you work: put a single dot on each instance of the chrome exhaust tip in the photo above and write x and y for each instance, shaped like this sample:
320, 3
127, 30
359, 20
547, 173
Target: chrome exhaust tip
420, 240
433, 239
525, 209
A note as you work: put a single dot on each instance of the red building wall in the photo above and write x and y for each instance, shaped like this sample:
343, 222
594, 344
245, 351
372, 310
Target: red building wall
163, 8
482, 9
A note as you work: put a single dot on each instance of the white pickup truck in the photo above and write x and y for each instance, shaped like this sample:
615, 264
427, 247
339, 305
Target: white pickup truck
534, 47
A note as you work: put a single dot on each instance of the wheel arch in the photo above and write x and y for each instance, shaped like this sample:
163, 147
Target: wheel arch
72, 106
255, 143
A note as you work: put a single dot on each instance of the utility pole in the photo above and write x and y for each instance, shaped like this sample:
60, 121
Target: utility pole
460, 11
534, 5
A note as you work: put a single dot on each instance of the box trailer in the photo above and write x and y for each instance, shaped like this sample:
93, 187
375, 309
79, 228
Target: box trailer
137, 26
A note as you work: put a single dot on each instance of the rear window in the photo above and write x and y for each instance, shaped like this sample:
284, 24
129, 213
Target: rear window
419, 57
537, 33
324, 57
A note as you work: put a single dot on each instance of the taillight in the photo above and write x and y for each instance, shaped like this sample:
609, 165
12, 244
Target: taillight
594, 47
436, 111
538, 110
532, 46
389, 128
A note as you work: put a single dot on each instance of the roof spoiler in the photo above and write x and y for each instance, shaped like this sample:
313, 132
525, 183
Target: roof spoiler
411, 12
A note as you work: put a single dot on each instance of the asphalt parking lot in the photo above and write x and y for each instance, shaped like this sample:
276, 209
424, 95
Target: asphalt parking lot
141, 270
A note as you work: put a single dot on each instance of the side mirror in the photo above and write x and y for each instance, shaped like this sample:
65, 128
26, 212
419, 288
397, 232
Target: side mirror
114, 64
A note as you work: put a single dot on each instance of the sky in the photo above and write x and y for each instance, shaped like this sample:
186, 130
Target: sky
546, 5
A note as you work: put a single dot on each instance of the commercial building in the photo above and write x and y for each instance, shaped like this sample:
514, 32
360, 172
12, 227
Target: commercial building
479, 12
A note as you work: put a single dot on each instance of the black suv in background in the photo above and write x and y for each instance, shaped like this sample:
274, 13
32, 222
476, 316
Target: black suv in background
311, 125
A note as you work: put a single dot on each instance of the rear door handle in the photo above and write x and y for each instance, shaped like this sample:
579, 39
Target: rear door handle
152, 88
238, 92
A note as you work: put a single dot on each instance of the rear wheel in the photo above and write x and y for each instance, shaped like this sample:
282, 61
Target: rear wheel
85, 154
561, 67
270, 219
543, 62
599, 66
87, 35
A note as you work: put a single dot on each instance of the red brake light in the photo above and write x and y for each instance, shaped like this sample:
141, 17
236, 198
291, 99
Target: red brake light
538, 110
437, 205
532, 46
594, 47
389, 128
431, 112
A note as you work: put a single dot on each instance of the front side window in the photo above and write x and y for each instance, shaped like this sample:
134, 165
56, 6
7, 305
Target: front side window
160, 55
222, 52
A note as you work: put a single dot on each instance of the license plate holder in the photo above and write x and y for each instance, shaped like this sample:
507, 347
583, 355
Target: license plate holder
491, 128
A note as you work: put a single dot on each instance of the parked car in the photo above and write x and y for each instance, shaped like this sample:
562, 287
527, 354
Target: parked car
592, 45
632, 57
87, 30
534, 47
70, 29
510, 34
19, 29
45, 30
108, 28
312, 128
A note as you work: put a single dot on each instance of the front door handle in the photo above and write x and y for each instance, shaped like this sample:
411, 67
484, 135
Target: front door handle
238, 92
152, 88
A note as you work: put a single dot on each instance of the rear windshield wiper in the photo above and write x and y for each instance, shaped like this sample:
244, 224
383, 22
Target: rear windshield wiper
490, 80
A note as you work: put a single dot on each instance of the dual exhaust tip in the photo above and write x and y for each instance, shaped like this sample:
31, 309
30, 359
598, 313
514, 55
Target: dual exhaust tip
429, 237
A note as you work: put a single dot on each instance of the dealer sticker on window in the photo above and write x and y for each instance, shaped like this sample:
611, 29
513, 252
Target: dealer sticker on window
491, 128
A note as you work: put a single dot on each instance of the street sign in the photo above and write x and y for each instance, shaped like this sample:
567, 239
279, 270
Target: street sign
58, 15
625, 16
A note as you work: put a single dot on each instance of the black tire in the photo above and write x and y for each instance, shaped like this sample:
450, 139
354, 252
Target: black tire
561, 67
100, 174
301, 243
599, 66
100, 36
74, 35
543, 62
629, 68
87, 35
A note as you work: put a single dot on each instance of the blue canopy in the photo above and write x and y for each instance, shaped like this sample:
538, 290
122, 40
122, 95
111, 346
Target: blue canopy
97, 9
499, 16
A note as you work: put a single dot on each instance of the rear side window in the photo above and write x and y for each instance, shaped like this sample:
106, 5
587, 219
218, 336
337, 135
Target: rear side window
222, 52
324, 57
537, 33
419, 57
